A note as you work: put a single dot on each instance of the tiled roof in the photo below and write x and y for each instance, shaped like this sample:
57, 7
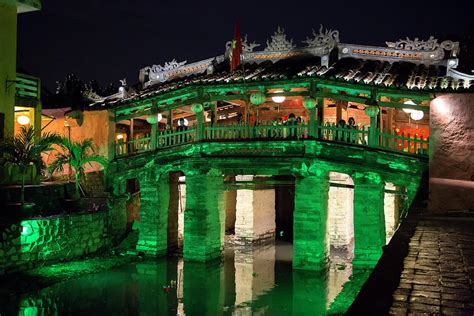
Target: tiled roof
397, 75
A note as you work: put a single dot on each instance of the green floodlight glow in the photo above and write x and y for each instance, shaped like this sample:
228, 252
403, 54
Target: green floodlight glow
26, 230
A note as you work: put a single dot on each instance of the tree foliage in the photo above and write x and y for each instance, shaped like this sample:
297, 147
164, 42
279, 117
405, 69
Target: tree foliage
77, 155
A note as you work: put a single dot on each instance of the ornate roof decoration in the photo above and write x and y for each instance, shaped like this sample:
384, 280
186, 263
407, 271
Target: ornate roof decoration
91, 95
279, 42
325, 38
155, 72
416, 44
248, 47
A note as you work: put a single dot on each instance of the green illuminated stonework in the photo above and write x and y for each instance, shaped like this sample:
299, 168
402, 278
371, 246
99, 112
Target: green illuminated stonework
205, 164
154, 201
309, 222
204, 215
369, 221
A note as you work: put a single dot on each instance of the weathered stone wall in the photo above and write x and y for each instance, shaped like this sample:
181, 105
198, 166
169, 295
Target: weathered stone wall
452, 153
340, 212
35, 241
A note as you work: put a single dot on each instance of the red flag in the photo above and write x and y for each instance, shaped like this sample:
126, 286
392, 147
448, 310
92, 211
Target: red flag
236, 47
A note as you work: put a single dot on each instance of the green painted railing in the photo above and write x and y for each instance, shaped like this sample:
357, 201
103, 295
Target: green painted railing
269, 131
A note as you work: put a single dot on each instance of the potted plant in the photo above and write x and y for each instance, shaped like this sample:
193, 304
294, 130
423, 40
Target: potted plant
22, 154
76, 155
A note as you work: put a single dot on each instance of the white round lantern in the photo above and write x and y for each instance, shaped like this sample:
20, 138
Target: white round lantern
416, 115
23, 120
279, 99
409, 102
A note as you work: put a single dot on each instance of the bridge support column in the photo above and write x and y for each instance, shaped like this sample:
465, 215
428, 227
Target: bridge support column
310, 221
255, 214
204, 216
369, 220
154, 203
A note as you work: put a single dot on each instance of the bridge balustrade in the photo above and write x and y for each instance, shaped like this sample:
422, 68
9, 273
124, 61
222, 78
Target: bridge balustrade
353, 135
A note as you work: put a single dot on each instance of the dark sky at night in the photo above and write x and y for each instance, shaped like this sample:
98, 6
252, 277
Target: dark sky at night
111, 39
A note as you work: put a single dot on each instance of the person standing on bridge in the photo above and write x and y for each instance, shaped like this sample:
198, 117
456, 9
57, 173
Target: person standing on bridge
182, 128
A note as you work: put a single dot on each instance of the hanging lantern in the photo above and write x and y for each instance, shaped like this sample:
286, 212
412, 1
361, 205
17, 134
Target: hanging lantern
257, 98
279, 99
409, 102
309, 103
196, 107
372, 111
23, 120
154, 118
416, 115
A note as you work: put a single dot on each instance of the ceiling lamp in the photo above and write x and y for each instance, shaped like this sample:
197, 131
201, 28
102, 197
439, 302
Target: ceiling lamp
279, 99
23, 120
416, 115
409, 102
119, 136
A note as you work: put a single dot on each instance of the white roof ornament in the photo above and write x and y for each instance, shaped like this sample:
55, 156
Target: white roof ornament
248, 47
417, 44
279, 42
156, 72
325, 38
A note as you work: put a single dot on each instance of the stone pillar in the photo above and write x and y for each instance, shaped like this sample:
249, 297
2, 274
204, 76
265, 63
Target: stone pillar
230, 198
154, 203
202, 294
204, 215
310, 221
173, 212
369, 222
255, 214
391, 210
254, 272
340, 213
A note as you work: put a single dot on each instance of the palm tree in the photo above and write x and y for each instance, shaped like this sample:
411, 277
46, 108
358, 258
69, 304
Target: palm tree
24, 150
76, 155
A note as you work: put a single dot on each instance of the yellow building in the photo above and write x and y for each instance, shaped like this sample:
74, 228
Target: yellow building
19, 94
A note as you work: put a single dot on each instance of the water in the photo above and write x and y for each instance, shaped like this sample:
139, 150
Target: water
248, 281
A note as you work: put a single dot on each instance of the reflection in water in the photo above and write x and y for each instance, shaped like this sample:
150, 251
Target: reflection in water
249, 281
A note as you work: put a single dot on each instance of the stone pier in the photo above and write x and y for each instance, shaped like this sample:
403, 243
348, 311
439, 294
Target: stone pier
369, 221
255, 213
204, 215
310, 221
154, 204
340, 213
392, 208
173, 212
